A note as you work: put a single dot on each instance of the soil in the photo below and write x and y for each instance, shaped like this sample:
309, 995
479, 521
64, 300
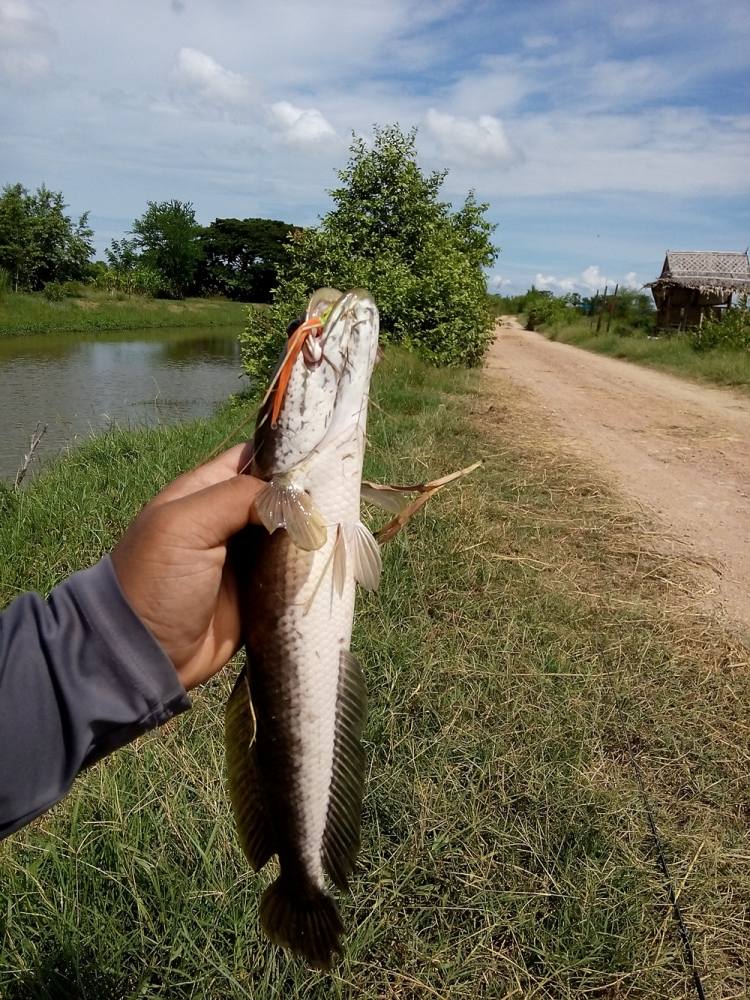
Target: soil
679, 448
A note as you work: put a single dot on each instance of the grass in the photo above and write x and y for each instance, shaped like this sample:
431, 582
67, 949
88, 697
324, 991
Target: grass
505, 848
30, 313
672, 354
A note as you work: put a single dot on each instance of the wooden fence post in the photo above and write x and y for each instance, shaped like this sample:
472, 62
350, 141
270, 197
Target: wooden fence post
612, 307
604, 305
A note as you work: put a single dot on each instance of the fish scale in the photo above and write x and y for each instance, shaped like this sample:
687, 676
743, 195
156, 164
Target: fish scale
293, 724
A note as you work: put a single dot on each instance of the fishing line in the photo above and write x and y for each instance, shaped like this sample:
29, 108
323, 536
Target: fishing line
662, 859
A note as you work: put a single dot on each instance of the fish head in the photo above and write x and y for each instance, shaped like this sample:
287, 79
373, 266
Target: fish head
322, 383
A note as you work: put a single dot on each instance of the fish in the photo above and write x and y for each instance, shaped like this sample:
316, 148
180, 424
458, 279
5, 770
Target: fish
293, 723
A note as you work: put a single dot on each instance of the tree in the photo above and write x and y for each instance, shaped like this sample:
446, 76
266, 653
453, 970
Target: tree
39, 243
241, 257
167, 237
389, 232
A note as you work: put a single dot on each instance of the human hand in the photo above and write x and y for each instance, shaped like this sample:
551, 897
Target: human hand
173, 569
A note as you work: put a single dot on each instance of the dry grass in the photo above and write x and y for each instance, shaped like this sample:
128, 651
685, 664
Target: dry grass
506, 852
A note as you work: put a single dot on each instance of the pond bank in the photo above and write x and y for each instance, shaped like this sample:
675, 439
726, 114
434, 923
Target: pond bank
77, 384
27, 313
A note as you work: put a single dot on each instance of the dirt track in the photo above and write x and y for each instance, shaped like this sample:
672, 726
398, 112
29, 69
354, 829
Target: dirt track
682, 450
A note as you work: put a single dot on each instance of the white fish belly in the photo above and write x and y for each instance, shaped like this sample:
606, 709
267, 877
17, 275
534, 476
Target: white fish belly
322, 619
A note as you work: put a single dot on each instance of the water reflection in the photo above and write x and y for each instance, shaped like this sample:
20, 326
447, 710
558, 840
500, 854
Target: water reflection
78, 385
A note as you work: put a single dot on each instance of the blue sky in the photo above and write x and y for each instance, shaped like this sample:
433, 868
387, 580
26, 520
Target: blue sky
601, 134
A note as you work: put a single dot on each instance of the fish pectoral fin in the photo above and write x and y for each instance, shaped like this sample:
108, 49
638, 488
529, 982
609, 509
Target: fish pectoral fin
287, 506
245, 793
390, 498
341, 835
424, 491
364, 552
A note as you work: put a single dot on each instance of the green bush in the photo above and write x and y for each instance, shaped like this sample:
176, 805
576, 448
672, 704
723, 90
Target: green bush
6, 281
732, 331
544, 308
388, 232
261, 343
138, 280
73, 289
54, 291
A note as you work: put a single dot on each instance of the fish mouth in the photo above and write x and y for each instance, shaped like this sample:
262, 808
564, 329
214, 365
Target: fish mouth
327, 306
312, 349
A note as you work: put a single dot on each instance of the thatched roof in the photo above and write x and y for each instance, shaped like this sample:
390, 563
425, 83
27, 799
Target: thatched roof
708, 270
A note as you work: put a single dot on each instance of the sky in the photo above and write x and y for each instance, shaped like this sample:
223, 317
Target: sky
601, 134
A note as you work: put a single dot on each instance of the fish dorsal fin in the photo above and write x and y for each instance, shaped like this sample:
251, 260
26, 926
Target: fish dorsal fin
364, 552
248, 806
341, 836
287, 506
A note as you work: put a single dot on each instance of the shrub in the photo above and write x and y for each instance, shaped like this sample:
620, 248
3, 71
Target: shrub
389, 233
262, 342
54, 291
732, 331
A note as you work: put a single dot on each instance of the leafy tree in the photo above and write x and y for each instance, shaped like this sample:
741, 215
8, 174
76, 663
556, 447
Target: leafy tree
39, 243
241, 257
389, 232
122, 255
167, 237
14, 233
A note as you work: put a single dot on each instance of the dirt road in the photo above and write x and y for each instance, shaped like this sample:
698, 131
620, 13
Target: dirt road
682, 450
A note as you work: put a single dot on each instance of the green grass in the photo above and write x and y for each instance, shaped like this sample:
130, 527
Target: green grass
505, 848
672, 354
30, 313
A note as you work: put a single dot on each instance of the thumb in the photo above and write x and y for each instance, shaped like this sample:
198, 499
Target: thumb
219, 511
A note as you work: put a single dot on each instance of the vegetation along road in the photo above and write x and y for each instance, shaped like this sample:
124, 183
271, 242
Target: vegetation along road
680, 449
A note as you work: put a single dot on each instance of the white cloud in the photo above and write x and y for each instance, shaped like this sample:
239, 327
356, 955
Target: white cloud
470, 141
496, 282
203, 77
24, 32
23, 67
301, 126
632, 81
589, 281
22, 23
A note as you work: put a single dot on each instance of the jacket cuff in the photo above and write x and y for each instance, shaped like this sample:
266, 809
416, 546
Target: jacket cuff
136, 659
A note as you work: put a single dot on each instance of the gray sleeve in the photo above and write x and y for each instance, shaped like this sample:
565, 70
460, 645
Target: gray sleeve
80, 676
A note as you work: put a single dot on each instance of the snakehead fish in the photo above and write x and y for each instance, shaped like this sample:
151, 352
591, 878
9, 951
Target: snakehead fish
294, 720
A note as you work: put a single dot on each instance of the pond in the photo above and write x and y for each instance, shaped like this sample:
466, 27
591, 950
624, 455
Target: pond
80, 384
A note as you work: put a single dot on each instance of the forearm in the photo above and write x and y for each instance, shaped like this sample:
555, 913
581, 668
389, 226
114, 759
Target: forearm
80, 676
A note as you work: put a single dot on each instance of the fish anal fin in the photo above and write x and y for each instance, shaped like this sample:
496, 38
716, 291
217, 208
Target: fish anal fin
364, 552
341, 834
284, 505
245, 792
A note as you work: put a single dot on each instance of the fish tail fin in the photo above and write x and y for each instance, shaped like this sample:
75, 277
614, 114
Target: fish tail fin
309, 925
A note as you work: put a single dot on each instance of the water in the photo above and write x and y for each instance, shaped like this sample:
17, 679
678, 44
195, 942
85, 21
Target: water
79, 384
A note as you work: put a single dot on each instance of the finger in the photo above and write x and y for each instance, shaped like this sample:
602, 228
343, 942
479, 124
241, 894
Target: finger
224, 466
215, 513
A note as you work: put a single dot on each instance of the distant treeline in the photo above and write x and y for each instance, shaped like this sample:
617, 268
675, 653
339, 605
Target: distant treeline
626, 314
166, 254
628, 310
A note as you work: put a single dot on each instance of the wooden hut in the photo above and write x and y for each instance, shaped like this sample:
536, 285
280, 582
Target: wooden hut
698, 283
